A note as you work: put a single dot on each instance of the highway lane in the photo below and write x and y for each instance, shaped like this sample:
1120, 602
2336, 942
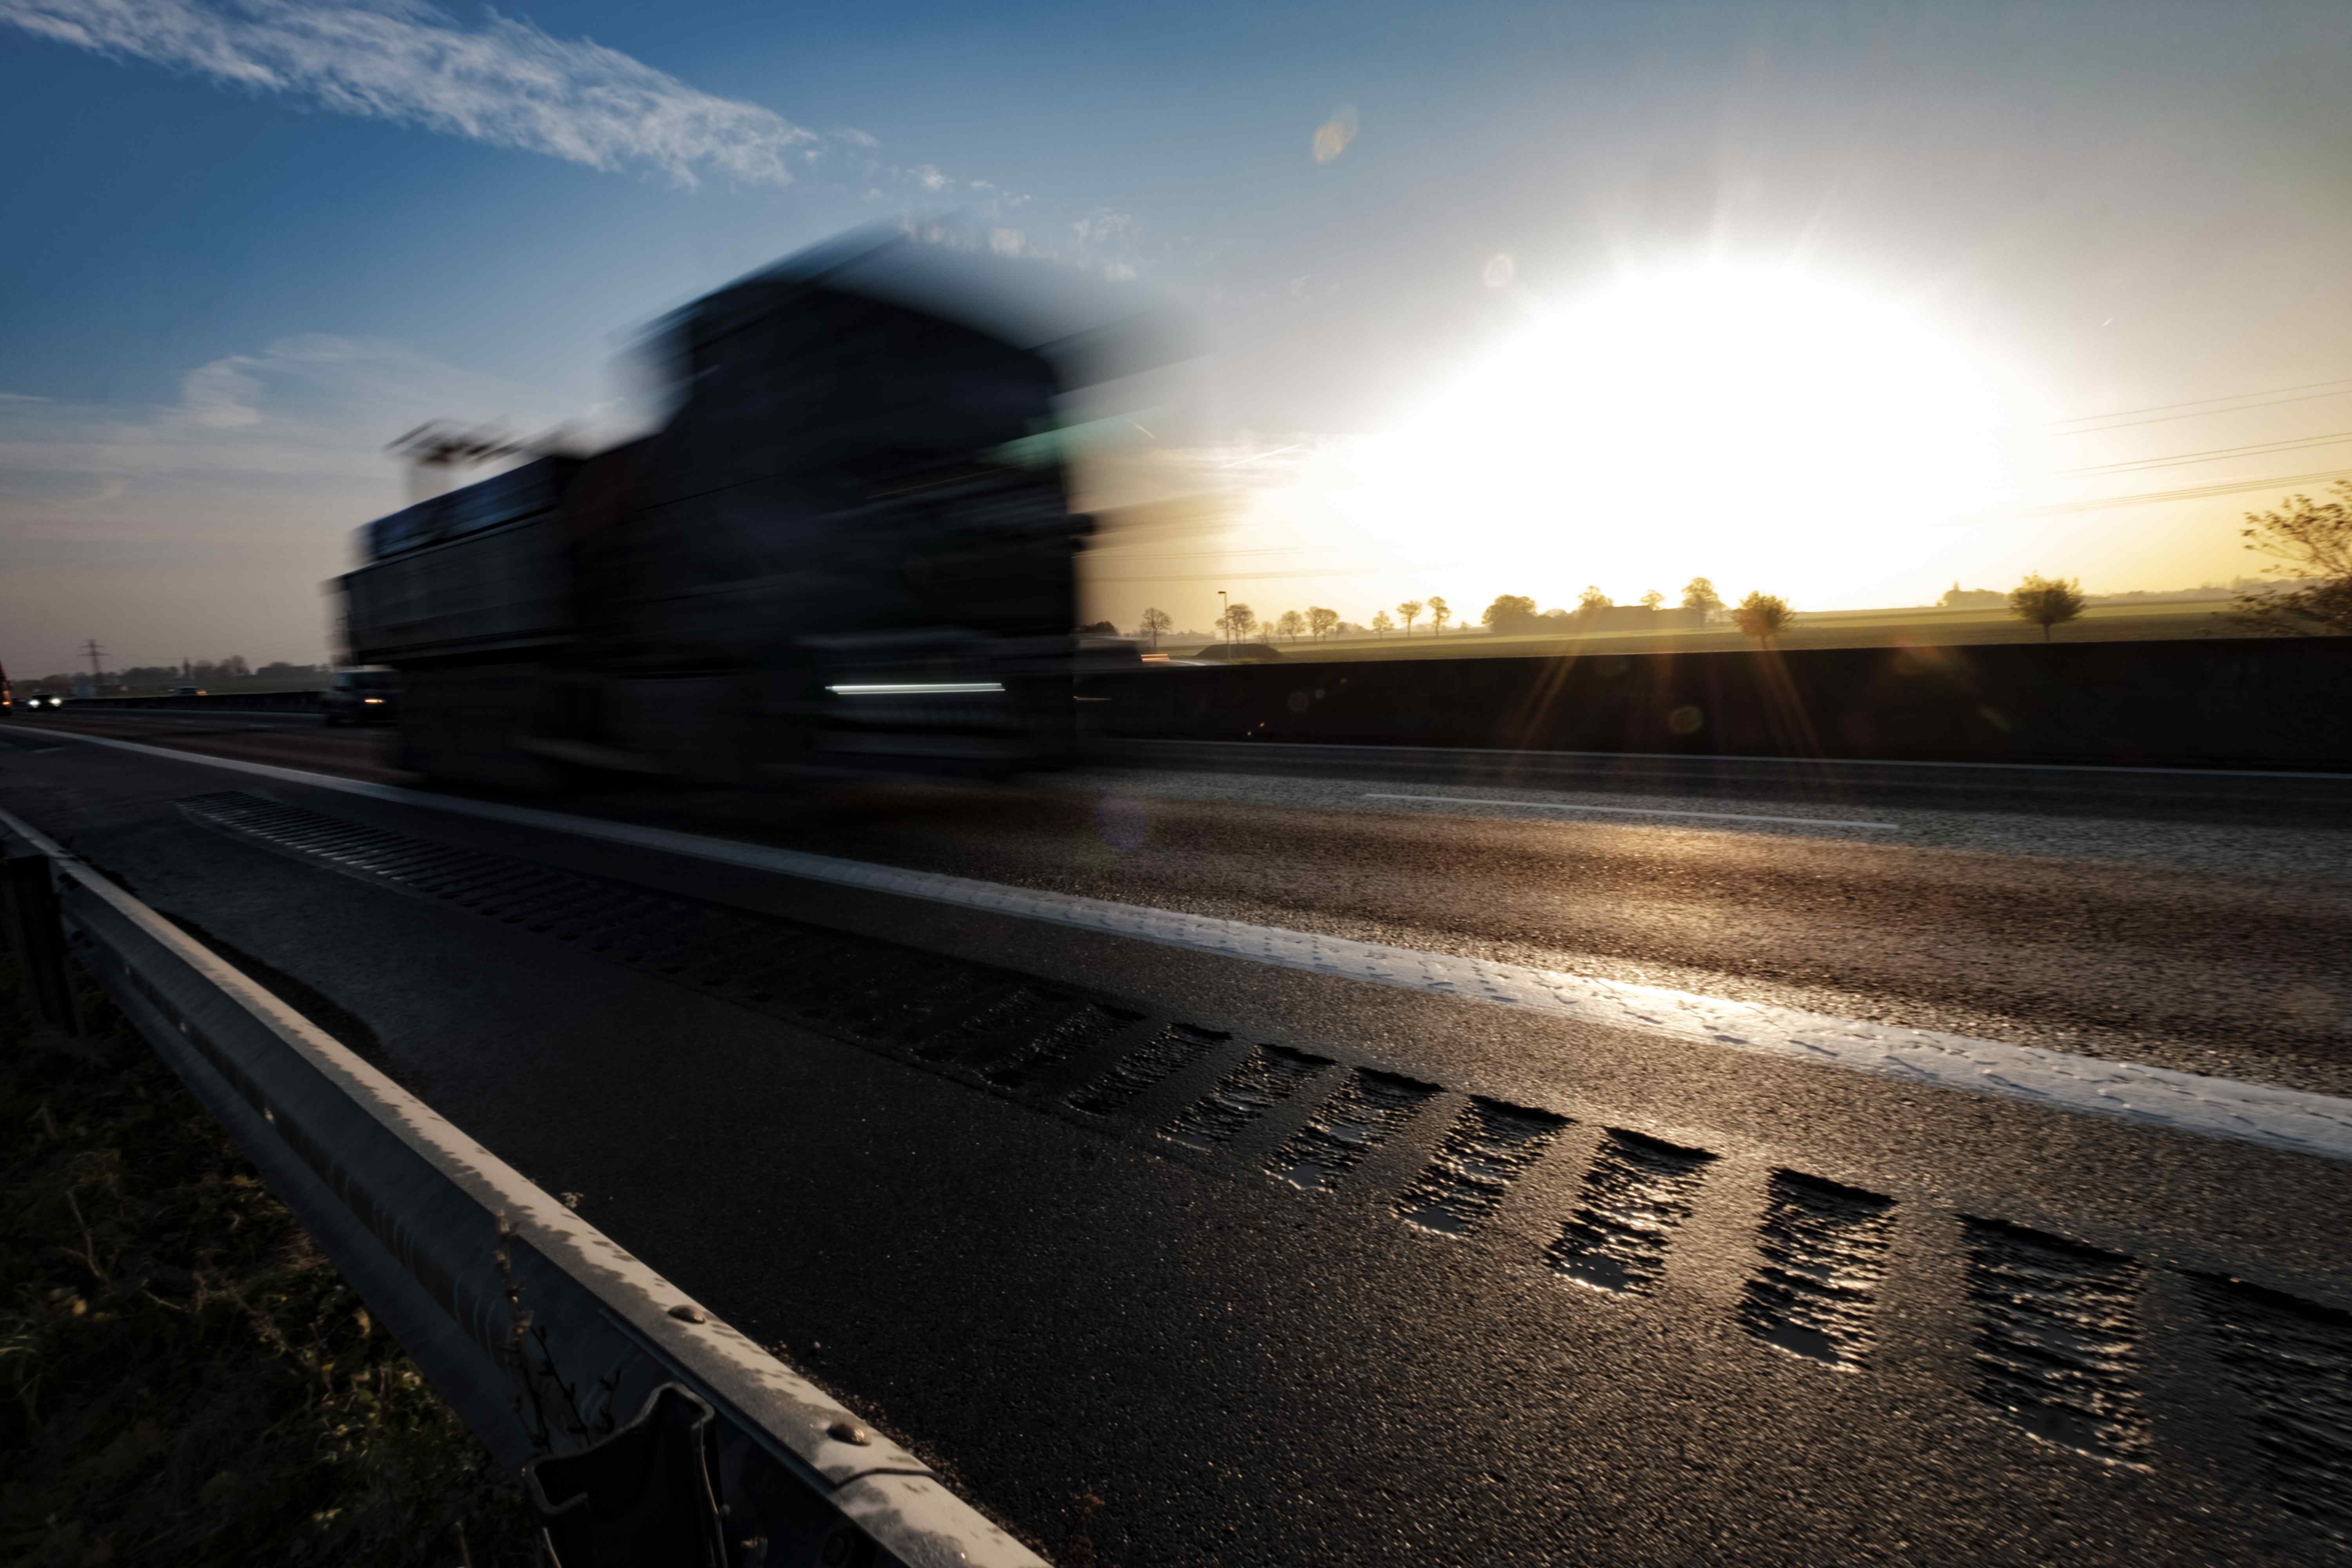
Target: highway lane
1136, 1349
2196, 922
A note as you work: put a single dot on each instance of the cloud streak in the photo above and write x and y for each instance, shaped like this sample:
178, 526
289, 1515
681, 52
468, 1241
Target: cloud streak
506, 82
509, 83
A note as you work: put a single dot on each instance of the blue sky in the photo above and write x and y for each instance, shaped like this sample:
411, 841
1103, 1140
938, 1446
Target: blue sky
249, 243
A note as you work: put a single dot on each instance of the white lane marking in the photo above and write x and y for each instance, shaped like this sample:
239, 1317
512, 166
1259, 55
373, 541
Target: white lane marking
2291, 1119
1639, 811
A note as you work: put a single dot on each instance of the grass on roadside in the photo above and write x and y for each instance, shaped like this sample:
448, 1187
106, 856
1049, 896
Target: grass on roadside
183, 1376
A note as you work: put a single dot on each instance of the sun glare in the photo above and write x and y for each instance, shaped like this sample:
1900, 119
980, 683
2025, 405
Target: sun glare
1713, 420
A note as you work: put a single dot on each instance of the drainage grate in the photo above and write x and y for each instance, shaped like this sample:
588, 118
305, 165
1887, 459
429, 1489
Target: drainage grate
2293, 1360
903, 1017
1037, 1056
1175, 1048
944, 1011
1487, 1149
1824, 1250
1638, 1192
1358, 1118
1010, 1011
1266, 1077
2054, 1343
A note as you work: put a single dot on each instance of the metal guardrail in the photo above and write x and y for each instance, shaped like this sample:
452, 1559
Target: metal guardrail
546, 1336
304, 701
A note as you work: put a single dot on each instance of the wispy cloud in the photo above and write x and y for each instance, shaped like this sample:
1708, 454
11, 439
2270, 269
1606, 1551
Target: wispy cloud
509, 83
504, 82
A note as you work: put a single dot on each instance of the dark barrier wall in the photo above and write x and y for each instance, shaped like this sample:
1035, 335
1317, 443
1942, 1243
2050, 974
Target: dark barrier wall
299, 701
2277, 702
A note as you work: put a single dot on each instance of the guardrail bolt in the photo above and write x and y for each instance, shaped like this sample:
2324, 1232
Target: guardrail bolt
688, 1312
849, 1432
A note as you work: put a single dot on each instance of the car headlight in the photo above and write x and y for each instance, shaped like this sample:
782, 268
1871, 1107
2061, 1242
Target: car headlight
372, 701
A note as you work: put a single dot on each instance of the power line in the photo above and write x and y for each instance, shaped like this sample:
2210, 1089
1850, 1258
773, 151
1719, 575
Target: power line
2130, 465
2343, 384
2189, 493
2196, 414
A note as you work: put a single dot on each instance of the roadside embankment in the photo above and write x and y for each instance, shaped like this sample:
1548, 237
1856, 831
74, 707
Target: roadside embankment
184, 1377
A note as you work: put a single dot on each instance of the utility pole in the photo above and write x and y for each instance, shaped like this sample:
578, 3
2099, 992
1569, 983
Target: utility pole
91, 651
1225, 616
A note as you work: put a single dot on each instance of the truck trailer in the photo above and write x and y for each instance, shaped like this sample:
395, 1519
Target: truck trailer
847, 547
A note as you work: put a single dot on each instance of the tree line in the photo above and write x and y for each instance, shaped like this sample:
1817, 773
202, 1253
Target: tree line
190, 672
2309, 544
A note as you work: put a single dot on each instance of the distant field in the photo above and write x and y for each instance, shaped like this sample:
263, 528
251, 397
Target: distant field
1832, 628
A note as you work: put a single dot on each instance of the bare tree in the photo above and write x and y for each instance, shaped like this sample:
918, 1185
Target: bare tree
1440, 611
1320, 621
1698, 594
1381, 625
1237, 622
1411, 611
1153, 622
2314, 538
1291, 624
2046, 601
1764, 616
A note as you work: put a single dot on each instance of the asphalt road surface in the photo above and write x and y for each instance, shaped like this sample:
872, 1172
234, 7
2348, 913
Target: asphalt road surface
1174, 1254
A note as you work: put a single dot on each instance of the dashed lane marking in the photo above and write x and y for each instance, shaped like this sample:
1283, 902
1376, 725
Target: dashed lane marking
1635, 811
2297, 1120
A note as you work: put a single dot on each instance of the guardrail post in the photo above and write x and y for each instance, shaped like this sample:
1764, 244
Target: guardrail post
647, 1494
36, 935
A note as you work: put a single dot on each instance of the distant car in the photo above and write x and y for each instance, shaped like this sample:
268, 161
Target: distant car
44, 700
187, 691
365, 695
1235, 653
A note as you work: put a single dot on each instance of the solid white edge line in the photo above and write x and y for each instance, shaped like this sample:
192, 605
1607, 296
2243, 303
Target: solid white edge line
1639, 811
2277, 1118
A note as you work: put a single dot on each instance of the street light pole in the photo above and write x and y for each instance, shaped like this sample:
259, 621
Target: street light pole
1225, 616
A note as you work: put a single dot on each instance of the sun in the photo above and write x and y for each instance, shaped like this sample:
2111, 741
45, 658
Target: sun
1713, 420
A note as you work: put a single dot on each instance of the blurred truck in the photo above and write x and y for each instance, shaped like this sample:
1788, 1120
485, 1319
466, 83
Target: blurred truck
848, 547
361, 696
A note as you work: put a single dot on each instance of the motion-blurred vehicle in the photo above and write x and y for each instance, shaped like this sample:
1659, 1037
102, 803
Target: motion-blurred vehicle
848, 547
361, 696
44, 700
187, 691
1234, 653
7, 697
